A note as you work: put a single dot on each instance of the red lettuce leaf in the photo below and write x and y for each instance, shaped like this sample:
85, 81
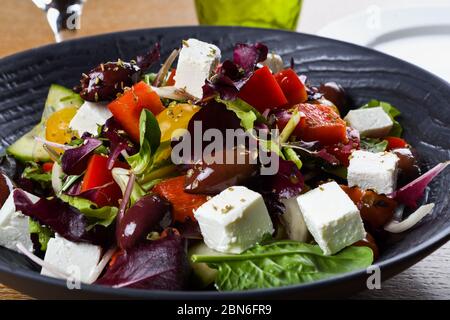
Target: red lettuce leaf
247, 56
231, 76
410, 194
118, 141
74, 161
160, 264
145, 61
63, 219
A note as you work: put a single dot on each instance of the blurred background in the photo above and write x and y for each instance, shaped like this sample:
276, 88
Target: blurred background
397, 27
414, 30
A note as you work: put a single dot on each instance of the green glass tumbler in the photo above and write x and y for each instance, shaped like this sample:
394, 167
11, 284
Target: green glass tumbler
274, 14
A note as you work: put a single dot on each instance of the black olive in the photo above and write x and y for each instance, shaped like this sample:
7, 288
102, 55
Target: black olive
336, 94
6, 187
408, 166
211, 177
105, 81
150, 213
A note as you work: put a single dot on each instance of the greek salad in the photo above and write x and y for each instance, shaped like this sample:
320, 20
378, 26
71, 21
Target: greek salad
231, 174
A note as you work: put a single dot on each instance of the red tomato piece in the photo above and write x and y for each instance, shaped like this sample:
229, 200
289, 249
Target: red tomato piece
183, 204
47, 166
395, 143
293, 89
321, 124
127, 108
262, 91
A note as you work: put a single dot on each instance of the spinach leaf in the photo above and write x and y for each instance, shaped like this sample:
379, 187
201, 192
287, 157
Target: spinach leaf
150, 136
393, 112
44, 233
373, 144
96, 216
282, 263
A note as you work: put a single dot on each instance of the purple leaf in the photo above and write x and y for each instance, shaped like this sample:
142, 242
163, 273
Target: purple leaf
91, 194
232, 76
161, 265
247, 56
75, 161
149, 213
410, 194
62, 218
288, 182
145, 61
189, 229
118, 141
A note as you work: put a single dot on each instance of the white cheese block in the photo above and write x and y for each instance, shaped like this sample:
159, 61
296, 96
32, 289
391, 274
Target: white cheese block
293, 221
370, 122
14, 225
234, 220
79, 260
331, 217
196, 63
274, 62
375, 171
88, 117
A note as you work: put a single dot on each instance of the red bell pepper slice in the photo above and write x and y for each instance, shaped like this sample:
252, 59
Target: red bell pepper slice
47, 166
293, 89
98, 175
183, 203
262, 91
395, 143
127, 108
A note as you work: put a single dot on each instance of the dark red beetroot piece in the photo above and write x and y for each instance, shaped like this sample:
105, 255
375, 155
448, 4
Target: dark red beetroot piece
150, 213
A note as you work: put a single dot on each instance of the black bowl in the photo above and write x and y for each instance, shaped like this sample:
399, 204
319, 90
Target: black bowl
422, 98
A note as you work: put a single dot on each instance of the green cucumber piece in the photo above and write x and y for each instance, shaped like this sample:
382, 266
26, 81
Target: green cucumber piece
27, 148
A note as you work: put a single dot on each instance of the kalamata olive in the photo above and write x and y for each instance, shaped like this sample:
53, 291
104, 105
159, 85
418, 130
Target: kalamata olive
376, 209
336, 94
105, 81
369, 241
211, 177
150, 213
408, 166
6, 187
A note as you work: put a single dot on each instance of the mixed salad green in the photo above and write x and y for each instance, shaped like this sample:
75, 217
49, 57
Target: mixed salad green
237, 174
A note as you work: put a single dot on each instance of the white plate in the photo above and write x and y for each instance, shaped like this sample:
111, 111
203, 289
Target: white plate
419, 34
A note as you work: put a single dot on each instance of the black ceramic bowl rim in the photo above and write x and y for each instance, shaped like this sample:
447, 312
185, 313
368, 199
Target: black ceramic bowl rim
398, 262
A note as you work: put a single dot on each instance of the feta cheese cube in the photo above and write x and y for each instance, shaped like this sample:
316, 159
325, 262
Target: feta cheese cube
331, 217
80, 260
88, 117
293, 221
234, 220
14, 225
375, 171
370, 122
274, 62
196, 63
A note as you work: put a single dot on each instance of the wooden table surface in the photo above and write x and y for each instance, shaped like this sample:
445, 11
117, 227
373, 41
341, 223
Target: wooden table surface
23, 26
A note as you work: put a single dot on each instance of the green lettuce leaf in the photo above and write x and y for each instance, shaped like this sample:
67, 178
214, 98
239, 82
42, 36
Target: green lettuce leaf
97, 216
35, 173
44, 233
393, 112
150, 136
245, 112
373, 144
282, 263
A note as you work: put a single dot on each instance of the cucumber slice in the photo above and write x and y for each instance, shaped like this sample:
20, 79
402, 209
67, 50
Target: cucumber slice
202, 275
27, 148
